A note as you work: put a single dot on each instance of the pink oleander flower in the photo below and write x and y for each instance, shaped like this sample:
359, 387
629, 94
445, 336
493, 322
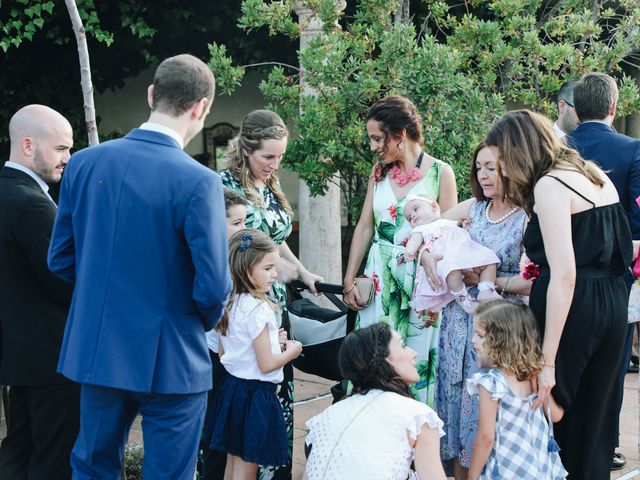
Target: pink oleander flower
393, 212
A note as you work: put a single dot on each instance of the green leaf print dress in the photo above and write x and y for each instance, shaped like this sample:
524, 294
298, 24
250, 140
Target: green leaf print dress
274, 221
394, 280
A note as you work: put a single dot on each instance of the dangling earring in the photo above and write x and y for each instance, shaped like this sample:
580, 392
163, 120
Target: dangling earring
401, 146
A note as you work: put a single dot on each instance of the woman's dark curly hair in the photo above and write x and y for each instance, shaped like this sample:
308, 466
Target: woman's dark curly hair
363, 360
395, 114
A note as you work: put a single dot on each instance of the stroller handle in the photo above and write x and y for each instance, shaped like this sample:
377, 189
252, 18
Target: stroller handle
329, 290
321, 287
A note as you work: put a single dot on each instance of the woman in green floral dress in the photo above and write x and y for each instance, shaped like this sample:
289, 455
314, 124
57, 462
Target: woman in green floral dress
394, 128
253, 159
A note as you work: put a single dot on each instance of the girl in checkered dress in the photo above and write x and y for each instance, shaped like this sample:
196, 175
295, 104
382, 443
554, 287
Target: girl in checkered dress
513, 441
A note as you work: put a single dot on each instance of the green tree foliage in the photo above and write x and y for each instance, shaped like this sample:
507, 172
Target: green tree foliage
349, 66
457, 60
39, 57
525, 50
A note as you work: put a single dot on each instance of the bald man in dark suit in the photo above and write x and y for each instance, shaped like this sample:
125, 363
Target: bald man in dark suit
43, 405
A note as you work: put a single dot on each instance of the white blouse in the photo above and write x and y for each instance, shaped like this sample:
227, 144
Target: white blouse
248, 317
367, 437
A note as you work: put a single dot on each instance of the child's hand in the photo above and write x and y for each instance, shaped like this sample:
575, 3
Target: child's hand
294, 347
282, 338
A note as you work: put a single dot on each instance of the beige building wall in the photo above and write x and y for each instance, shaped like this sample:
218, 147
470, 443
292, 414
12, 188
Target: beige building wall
127, 108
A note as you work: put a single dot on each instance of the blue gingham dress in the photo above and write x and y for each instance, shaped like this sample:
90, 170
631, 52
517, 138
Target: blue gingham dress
524, 448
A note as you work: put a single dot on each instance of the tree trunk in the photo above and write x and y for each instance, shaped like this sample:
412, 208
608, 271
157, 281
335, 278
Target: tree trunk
85, 72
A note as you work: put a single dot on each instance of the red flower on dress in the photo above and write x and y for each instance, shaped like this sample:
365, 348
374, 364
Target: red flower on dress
393, 212
376, 282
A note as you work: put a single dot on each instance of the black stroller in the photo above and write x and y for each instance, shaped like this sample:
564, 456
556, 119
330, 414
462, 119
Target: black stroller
320, 330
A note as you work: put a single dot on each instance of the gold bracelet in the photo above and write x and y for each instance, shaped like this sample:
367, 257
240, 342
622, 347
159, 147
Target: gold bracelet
346, 292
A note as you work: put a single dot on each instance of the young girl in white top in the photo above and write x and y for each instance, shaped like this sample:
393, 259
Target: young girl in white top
513, 441
248, 419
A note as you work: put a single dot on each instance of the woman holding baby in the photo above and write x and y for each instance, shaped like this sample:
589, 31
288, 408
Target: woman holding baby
399, 183
498, 225
394, 128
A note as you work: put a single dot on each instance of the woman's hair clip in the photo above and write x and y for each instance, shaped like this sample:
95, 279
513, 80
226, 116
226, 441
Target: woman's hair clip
245, 241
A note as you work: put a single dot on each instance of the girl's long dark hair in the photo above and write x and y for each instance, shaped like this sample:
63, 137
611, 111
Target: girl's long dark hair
363, 360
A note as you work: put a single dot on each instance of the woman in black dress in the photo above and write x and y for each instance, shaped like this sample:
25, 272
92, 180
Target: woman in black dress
579, 236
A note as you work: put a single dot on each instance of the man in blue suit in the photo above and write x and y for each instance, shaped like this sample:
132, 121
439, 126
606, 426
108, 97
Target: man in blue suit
595, 97
141, 234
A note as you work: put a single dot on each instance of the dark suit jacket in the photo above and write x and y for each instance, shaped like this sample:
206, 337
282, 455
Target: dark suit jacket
33, 302
619, 156
141, 230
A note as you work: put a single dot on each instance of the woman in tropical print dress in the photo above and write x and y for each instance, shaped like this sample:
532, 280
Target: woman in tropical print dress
497, 225
394, 128
253, 160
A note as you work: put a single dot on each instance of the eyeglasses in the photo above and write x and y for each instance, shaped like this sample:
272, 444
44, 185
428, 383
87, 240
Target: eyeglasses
568, 103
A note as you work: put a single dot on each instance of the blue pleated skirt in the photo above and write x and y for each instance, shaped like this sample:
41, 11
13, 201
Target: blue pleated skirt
248, 422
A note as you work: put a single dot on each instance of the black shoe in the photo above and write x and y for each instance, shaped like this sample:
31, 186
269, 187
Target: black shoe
635, 359
633, 368
619, 461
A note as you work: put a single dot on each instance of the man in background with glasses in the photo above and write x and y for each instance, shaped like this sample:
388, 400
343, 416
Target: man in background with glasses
567, 119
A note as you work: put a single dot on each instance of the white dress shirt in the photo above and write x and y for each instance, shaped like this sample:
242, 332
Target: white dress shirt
156, 127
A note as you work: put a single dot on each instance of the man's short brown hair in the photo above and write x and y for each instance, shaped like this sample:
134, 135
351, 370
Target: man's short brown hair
180, 82
593, 96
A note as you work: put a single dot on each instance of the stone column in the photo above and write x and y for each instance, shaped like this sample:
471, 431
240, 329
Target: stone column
320, 217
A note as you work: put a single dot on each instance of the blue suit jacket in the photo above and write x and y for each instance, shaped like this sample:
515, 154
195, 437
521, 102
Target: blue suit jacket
619, 156
141, 232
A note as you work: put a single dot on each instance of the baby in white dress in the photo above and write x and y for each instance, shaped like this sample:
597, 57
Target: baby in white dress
444, 238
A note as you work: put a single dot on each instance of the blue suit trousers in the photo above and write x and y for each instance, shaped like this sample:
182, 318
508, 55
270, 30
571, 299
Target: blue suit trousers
171, 427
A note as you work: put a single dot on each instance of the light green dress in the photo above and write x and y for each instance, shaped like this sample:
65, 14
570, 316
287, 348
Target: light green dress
394, 280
